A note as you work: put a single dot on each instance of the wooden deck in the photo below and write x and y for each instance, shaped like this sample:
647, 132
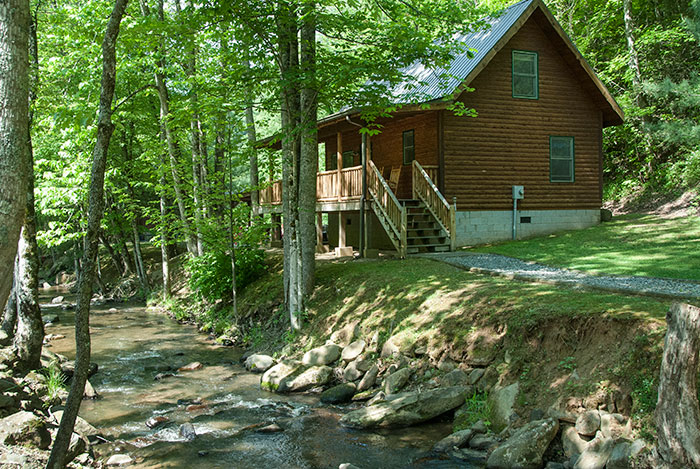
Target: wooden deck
335, 190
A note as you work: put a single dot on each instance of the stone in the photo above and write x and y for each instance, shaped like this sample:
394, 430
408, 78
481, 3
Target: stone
572, 442
455, 377
272, 428
160, 376
339, 394
347, 334
369, 379
259, 363
407, 408
157, 421
482, 442
536, 414
420, 350
365, 395
187, 431
472, 457
623, 453
191, 367
81, 425
351, 372
57, 300
119, 460
480, 427
561, 415
271, 379
24, 428
376, 398
476, 375
446, 364
588, 423
68, 369
78, 445
45, 284
89, 392
610, 426
488, 380
353, 350
390, 348
605, 215
307, 379
373, 345
502, 402
347, 465
525, 448
597, 453
5, 339
324, 355
50, 319
455, 440
396, 381
554, 465
7, 401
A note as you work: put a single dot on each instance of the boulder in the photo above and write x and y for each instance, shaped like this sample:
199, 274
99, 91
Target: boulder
369, 379
502, 401
78, 445
57, 300
572, 442
89, 392
347, 334
623, 453
4, 338
324, 355
605, 215
259, 363
271, 379
307, 379
390, 347
482, 442
611, 425
455, 377
476, 375
191, 367
472, 457
157, 421
347, 465
588, 423
351, 372
81, 426
7, 401
446, 364
119, 460
338, 394
526, 447
68, 369
396, 381
455, 440
597, 453
187, 431
407, 408
353, 350
50, 318
24, 428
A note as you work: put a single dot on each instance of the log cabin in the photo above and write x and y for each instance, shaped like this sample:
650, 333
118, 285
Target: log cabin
530, 162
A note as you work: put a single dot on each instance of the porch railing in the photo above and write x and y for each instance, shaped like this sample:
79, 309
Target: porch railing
272, 194
331, 186
388, 208
425, 189
351, 183
327, 186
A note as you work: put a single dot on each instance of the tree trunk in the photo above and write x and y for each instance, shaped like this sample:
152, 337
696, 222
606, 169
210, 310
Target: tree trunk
138, 258
165, 261
677, 410
115, 256
309, 149
252, 138
9, 316
173, 148
95, 212
14, 128
29, 335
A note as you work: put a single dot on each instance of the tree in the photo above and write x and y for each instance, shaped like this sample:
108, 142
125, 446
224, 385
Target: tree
105, 128
14, 129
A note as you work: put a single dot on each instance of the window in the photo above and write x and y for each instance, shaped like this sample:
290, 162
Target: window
561, 159
348, 159
525, 81
409, 149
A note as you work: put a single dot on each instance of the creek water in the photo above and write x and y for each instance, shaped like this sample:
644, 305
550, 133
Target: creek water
131, 345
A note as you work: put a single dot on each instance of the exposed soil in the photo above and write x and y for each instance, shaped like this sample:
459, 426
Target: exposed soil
657, 203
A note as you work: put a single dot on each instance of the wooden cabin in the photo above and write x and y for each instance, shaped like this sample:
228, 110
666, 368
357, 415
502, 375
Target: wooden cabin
529, 164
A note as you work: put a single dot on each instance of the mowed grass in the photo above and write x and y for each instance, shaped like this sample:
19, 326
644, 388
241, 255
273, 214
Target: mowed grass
640, 245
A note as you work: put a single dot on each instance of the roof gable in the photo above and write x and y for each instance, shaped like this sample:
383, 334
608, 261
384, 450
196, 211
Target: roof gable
436, 84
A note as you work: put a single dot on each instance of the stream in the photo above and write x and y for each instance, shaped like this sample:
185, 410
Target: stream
131, 345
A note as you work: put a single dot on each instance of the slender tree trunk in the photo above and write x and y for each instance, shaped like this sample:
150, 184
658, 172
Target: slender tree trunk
173, 148
115, 256
143, 278
29, 335
677, 409
252, 138
105, 127
164, 238
14, 125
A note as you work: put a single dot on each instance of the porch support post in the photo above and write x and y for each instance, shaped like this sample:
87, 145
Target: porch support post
339, 165
319, 233
341, 229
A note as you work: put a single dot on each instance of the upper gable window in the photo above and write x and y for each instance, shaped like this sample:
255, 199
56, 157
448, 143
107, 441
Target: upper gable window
525, 79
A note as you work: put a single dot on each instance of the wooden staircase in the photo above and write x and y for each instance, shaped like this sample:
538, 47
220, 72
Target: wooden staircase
422, 224
423, 232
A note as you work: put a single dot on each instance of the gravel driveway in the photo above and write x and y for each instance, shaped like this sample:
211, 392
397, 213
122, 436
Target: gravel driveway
497, 264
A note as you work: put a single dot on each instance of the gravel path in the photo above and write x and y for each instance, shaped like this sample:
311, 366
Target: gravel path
497, 264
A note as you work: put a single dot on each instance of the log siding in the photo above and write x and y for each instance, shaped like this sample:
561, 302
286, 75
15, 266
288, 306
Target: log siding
508, 143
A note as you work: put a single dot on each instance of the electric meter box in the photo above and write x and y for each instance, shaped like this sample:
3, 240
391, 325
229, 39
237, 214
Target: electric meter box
518, 192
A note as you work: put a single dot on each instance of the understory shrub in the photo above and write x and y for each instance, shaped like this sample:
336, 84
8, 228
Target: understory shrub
210, 273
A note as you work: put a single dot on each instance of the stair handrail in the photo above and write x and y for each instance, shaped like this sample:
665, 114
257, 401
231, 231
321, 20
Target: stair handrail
425, 189
386, 200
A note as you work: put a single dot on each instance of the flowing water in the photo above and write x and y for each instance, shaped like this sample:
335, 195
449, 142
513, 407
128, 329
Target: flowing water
132, 345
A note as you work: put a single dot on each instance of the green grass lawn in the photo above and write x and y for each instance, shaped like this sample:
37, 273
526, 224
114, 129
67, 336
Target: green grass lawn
642, 245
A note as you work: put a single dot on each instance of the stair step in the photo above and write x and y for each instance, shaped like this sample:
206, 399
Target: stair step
434, 248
